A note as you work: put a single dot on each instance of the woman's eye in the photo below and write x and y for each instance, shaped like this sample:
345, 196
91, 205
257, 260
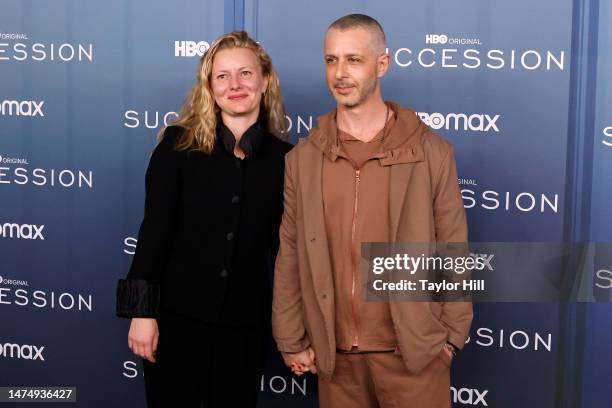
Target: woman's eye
246, 74
221, 76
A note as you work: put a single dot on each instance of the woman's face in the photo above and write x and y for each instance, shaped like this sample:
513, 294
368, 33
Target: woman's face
237, 81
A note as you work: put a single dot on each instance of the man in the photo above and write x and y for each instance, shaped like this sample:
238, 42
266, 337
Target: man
370, 171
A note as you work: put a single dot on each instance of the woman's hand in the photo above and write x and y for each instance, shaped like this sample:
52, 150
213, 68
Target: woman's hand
301, 362
143, 336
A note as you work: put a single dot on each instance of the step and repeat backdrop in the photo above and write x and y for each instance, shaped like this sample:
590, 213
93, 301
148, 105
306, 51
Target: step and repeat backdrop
522, 89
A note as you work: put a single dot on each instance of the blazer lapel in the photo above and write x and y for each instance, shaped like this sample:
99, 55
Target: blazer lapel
310, 175
402, 167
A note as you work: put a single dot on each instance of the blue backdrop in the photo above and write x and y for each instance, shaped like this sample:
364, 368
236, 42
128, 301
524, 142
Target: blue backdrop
523, 90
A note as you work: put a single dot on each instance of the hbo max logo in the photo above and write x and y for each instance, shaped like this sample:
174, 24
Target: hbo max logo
190, 48
476, 122
25, 352
21, 108
22, 231
469, 396
436, 39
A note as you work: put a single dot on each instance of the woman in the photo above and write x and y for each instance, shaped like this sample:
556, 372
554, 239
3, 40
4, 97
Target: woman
198, 290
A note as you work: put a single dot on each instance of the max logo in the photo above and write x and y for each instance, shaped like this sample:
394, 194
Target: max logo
469, 396
22, 108
23, 231
25, 351
475, 122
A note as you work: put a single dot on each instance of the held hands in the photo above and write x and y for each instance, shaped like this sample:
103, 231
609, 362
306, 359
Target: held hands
301, 362
142, 337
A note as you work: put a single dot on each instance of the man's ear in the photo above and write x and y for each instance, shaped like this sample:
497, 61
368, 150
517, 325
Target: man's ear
383, 64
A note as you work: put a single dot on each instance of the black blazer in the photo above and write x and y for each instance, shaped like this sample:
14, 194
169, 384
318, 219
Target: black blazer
210, 231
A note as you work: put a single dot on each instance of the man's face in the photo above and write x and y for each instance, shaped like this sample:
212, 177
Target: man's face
353, 65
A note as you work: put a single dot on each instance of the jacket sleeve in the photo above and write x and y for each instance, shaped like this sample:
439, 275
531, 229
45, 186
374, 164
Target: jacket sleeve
274, 239
287, 315
139, 294
451, 227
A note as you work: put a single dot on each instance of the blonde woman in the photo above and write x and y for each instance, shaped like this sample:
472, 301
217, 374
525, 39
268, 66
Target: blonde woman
199, 287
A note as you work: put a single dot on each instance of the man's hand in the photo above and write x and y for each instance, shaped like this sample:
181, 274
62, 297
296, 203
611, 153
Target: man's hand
301, 362
142, 337
449, 349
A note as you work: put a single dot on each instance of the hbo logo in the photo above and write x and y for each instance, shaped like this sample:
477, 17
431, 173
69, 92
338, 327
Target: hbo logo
190, 48
436, 39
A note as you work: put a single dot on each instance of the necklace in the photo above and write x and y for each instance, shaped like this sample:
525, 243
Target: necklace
384, 129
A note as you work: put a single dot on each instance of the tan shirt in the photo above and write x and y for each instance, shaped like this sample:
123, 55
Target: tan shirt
356, 207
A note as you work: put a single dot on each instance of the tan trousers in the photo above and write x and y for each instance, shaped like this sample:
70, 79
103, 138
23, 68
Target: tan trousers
380, 380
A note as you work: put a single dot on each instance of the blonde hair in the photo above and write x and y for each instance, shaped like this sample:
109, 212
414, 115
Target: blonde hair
199, 113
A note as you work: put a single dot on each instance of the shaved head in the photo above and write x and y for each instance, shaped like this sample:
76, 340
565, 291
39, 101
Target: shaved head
355, 59
352, 21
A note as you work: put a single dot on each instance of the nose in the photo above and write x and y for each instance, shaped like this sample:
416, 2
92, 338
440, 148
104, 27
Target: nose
341, 69
234, 82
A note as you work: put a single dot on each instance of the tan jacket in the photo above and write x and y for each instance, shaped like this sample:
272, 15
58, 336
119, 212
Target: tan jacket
425, 206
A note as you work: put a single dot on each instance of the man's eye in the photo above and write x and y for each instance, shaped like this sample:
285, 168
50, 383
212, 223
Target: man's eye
246, 74
329, 60
354, 59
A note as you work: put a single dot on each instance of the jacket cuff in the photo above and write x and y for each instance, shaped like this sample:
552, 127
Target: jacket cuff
292, 346
456, 341
137, 298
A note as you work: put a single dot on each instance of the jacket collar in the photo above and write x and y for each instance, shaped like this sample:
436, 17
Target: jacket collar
403, 143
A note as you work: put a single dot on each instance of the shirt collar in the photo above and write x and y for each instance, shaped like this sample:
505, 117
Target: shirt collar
250, 141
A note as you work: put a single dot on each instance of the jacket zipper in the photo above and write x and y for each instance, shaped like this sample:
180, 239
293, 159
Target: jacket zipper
354, 257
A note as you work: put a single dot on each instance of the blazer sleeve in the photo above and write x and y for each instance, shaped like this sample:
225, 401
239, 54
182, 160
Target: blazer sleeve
275, 239
451, 227
138, 295
288, 326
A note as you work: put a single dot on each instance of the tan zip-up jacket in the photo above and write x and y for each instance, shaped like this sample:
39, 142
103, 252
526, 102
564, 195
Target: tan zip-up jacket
425, 205
356, 210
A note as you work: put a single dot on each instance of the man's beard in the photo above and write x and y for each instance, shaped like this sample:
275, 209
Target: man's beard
362, 95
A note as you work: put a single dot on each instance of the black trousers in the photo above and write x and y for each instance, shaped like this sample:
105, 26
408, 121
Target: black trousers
201, 365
